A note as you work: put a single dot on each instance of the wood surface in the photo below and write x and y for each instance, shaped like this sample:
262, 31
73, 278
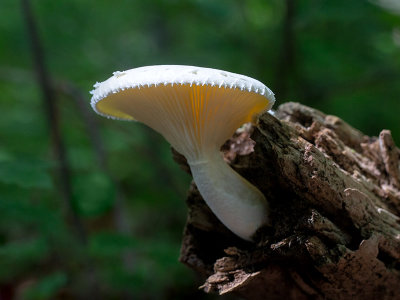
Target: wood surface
334, 195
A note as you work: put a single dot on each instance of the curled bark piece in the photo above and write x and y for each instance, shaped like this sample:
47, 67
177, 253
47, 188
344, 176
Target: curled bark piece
390, 157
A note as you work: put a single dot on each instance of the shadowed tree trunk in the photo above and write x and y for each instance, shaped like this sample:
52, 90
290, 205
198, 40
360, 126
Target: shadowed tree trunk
335, 200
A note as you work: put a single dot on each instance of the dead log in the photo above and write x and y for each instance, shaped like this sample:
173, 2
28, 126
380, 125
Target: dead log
334, 194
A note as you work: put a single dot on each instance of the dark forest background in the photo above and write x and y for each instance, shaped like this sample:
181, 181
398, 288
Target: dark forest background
91, 207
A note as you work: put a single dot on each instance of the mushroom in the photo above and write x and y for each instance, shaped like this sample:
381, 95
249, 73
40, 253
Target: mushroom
196, 110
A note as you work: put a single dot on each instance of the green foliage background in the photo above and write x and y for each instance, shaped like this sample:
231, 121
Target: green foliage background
342, 57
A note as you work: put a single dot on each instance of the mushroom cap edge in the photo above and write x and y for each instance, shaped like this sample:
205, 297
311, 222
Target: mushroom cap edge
148, 76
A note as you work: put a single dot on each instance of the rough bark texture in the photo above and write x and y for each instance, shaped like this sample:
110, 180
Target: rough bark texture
335, 200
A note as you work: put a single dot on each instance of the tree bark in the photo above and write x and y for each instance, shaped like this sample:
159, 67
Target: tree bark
334, 195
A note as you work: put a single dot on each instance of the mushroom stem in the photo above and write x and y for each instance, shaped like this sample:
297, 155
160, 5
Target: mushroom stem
196, 110
238, 204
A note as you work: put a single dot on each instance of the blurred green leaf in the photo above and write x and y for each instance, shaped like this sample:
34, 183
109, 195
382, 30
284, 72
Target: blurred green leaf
110, 244
46, 287
17, 256
93, 193
25, 174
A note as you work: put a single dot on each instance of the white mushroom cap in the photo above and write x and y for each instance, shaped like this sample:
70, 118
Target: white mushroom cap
194, 108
